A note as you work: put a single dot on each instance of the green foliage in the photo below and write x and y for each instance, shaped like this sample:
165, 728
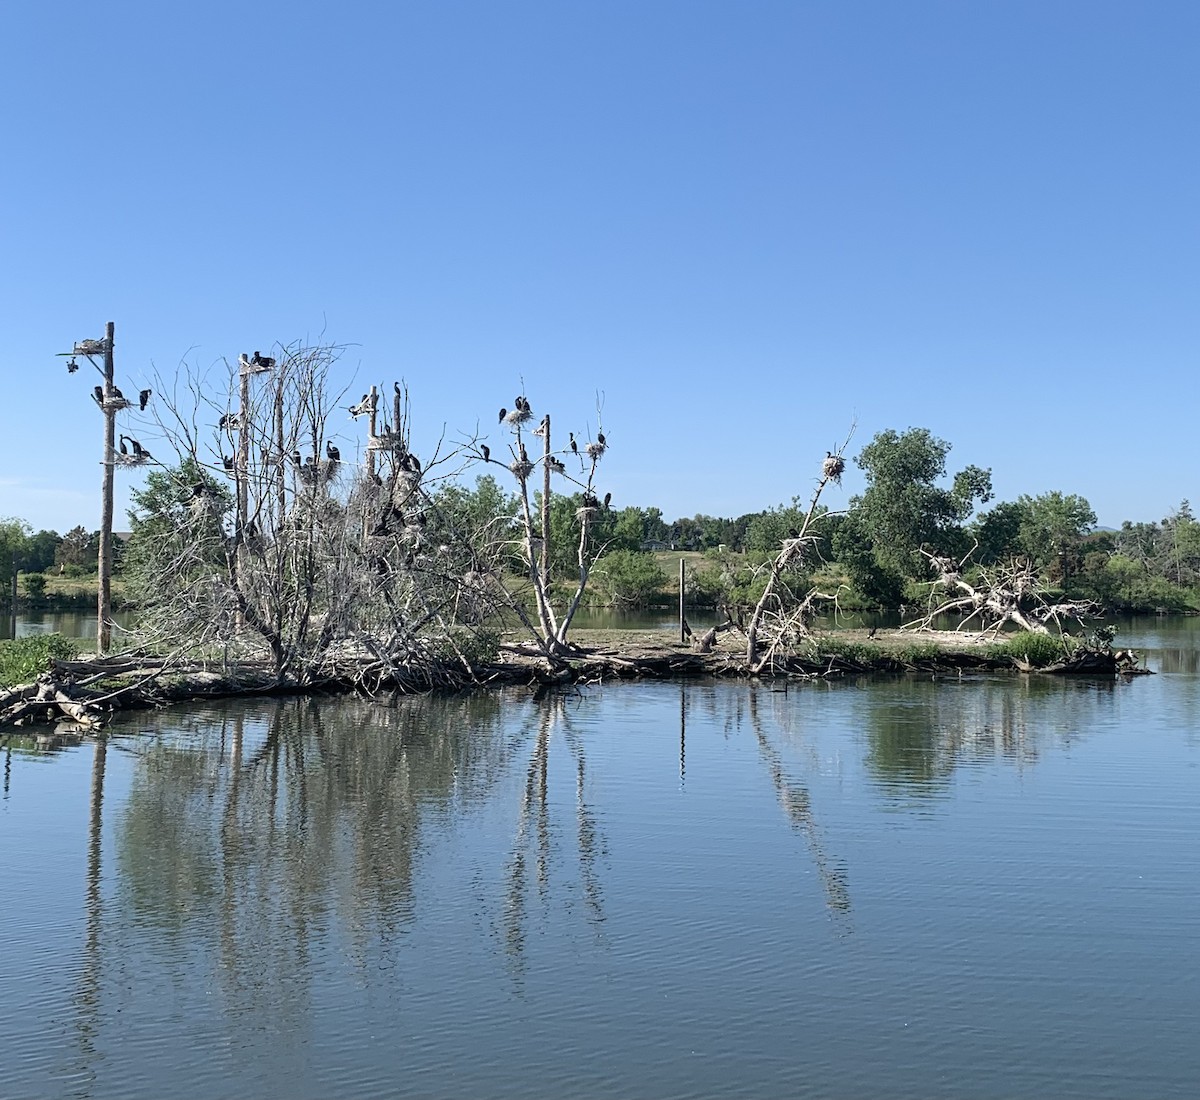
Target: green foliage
22, 661
629, 578
1052, 530
33, 585
1037, 649
78, 550
903, 510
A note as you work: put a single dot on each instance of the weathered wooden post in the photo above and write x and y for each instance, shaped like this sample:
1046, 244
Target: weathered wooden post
104, 563
546, 506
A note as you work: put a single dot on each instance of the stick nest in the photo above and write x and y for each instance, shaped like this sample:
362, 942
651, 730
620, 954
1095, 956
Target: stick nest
833, 467
521, 470
595, 450
518, 416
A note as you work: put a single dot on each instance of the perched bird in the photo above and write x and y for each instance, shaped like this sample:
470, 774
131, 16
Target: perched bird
607, 499
296, 459
486, 451
555, 465
524, 455
362, 408
262, 362
121, 444
331, 452
574, 445
143, 399
503, 412
118, 394
413, 463
600, 439
541, 428
98, 395
198, 490
72, 366
228, 422
138, 450
227, 461
396, 387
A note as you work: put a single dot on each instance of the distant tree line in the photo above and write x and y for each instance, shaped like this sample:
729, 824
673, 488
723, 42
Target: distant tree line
872, 550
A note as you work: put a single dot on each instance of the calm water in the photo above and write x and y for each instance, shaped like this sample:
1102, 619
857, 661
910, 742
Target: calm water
903, 888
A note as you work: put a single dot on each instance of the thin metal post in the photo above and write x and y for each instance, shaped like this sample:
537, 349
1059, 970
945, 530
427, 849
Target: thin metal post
682, 619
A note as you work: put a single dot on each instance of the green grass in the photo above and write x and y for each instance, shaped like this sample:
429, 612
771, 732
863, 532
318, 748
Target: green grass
23, 660
1037, 649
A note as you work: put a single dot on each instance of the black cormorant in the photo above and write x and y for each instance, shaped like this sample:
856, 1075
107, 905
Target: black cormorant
486, 451
331, 452
143, 399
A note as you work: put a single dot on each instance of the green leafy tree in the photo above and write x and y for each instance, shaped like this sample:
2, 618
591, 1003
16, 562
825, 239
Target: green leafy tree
904, 509
998, 533
1052, 531
14, 544
78, 551
629, 578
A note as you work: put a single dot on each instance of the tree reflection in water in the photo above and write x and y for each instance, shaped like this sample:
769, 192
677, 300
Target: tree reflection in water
534, 829
923, 730
252, 830
796, 802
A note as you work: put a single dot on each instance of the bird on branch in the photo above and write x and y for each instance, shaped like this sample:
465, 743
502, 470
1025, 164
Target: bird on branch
121, 444
486, 451
331, 452
144, 399
98, 395
574, 445
503, 412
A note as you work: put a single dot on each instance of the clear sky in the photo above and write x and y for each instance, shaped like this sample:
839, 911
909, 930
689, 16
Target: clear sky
748, 224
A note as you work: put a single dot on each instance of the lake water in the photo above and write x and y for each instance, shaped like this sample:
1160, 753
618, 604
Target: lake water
986, 887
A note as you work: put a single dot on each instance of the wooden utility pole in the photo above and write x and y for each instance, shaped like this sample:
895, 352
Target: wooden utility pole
546, 507
104, 566
372, 427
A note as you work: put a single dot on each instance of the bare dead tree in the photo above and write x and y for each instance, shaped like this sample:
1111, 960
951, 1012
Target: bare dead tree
1010, 592
549, 623
319, 566
782, 616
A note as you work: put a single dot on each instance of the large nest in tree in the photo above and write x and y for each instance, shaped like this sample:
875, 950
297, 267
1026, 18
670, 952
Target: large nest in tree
833, 467
518, 416
521, 470
127, 461
595, 450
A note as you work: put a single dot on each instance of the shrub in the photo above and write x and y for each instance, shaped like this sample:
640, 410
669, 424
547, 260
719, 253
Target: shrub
23, 660
34, 585
1037, 649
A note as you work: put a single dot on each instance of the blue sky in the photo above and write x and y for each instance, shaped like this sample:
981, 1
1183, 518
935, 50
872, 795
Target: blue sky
747, 225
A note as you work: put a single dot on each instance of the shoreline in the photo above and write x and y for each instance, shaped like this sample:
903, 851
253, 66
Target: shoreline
85, 692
